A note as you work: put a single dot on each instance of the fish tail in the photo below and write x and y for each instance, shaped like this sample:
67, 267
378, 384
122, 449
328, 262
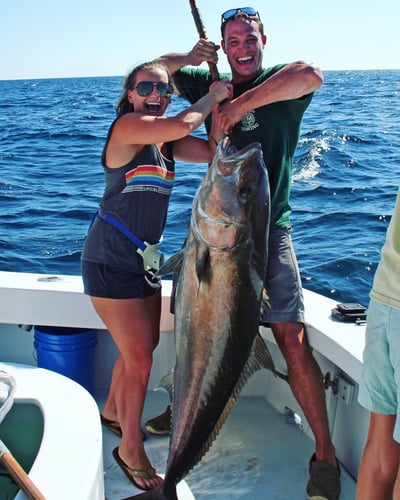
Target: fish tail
157, 493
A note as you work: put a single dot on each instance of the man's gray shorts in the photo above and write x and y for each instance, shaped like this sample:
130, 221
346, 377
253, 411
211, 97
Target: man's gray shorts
282, 282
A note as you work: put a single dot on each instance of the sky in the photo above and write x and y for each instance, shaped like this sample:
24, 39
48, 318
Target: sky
54, 39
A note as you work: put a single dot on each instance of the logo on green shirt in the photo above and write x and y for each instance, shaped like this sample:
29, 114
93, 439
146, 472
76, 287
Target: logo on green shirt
249, 121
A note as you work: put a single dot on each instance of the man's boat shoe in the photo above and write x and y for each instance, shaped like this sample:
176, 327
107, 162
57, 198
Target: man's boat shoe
160, 425
149, 473
324, 482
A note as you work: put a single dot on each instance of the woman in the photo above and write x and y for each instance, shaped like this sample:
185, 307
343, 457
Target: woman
138, 160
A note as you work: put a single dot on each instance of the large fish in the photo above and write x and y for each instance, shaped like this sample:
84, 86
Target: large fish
217, 305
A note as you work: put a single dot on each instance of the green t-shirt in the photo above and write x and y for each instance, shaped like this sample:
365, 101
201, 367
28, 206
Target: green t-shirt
275, 126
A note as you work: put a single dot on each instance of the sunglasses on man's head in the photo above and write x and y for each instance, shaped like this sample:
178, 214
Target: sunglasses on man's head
145, 88
231, 13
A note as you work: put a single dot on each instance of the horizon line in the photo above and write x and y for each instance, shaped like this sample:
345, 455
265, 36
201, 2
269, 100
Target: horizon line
123, 75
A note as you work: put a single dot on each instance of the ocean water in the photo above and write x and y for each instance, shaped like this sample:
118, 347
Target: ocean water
345, 176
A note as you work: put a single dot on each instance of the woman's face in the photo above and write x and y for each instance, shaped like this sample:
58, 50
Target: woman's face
151, 93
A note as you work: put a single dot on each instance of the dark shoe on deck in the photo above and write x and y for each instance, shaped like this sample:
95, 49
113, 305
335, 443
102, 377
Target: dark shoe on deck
324, 482
160, 425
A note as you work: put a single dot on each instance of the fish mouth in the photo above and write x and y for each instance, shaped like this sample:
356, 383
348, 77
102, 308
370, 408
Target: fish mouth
224, 227
228, 153
230, 161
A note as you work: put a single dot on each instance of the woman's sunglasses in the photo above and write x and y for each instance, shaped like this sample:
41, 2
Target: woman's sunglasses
248, 11
146, 88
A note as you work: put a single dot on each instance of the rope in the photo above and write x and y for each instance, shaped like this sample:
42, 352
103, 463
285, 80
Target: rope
14, 469
9, 381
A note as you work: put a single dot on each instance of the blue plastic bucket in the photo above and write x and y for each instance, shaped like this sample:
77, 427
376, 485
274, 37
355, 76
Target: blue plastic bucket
69, 351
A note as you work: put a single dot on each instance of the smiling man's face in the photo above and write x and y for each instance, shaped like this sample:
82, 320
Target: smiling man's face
243, 44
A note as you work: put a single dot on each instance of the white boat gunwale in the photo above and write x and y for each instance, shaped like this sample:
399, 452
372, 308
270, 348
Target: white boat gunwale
23, 297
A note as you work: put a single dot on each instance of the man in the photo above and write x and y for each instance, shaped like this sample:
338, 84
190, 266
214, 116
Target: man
268, 107
380, 383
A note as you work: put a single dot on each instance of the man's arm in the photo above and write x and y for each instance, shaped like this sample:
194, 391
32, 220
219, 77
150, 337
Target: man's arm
203, 51
293, 81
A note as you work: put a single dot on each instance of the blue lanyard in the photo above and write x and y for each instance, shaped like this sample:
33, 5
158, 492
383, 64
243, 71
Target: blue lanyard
127, 232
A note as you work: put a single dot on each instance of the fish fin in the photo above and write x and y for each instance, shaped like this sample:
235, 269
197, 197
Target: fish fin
174, 263
214, 433
203, 264
167, 383
265, 298
261, 354
265, 302
259, 358
265, 359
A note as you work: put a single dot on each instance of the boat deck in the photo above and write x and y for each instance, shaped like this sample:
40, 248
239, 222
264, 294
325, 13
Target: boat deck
248, 459
259, 453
